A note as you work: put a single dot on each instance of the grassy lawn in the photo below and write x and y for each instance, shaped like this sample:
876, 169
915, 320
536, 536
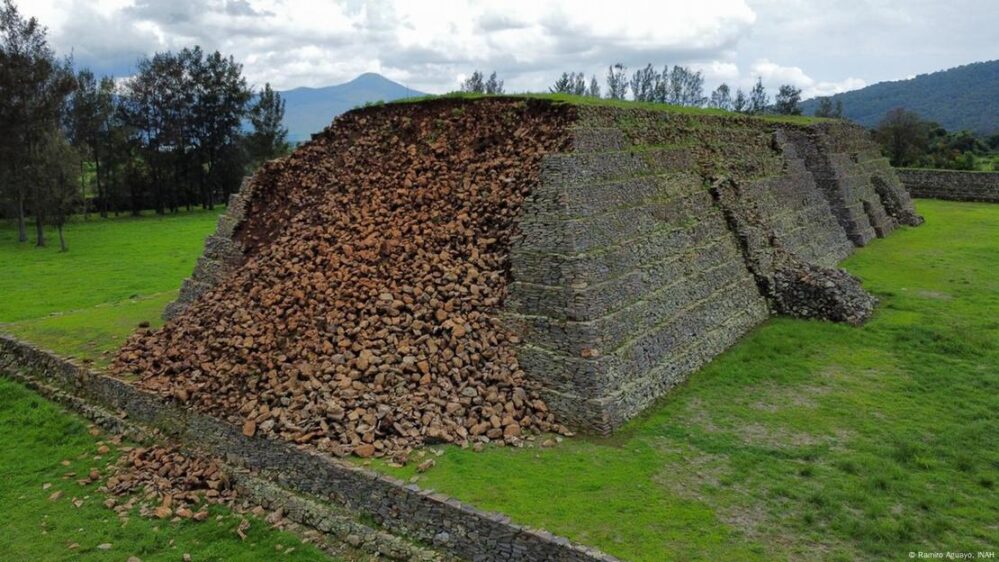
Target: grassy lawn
108, 261
37, 437
808, 441
116, 274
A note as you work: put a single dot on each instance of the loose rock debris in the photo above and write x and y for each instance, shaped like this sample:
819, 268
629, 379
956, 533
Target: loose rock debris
363, 319
166, 483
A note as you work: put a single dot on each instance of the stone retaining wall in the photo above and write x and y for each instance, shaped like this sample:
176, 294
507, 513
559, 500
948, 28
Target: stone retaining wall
400, 508
662, 238
351, 536
951, 184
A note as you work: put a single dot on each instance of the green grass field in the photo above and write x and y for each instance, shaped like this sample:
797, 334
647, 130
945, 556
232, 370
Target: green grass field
807, 441
117, 273
37, 437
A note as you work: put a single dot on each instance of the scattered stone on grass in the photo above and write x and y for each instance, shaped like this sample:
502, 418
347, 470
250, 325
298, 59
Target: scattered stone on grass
168, 482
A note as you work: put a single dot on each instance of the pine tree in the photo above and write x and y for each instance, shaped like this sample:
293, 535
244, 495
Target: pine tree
90, 117
570, 83
477, 83
561, 86
643, 83
825, 107
594, 90
493, 85
740, 103
758, 98
617, 83
56, 177
721, 98
660, 90
788, 100
34, 85
684, 87
474, 84
216, 114
269, 137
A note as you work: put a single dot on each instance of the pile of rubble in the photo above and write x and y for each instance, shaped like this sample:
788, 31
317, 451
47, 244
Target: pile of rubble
166, 483
363, 319
806, 290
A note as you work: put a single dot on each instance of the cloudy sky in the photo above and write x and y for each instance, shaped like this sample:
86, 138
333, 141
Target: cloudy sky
823, 46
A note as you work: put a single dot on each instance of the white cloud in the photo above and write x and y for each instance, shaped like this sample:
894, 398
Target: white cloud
775, 75
718, 71
427, 43
823, 47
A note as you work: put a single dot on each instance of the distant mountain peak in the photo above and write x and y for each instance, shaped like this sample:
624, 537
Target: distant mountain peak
310, 110
370, 76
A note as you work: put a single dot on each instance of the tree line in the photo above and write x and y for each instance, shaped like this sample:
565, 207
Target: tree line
678, 85
909, 140
172, 136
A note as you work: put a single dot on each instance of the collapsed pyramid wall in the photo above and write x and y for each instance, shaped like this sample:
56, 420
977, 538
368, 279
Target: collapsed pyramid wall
649, 244
360, 318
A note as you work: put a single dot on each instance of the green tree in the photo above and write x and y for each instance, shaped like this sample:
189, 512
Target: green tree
562, 84
685, 87
827, 109
126, 172
477, 83
740, 102
269, 137
570, 83
89, 119
903, 136
185, 110
788, 100
594, 90
643, 84
474, 84
721, 98
758, 98
57, 196
33, 89
493, 85
617, 83
157, 109
218, 108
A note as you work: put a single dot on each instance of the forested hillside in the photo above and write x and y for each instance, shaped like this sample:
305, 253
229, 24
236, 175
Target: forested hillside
961, 98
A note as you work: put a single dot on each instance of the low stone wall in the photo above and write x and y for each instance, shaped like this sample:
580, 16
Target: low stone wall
400, 508
347, 536
955, 185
